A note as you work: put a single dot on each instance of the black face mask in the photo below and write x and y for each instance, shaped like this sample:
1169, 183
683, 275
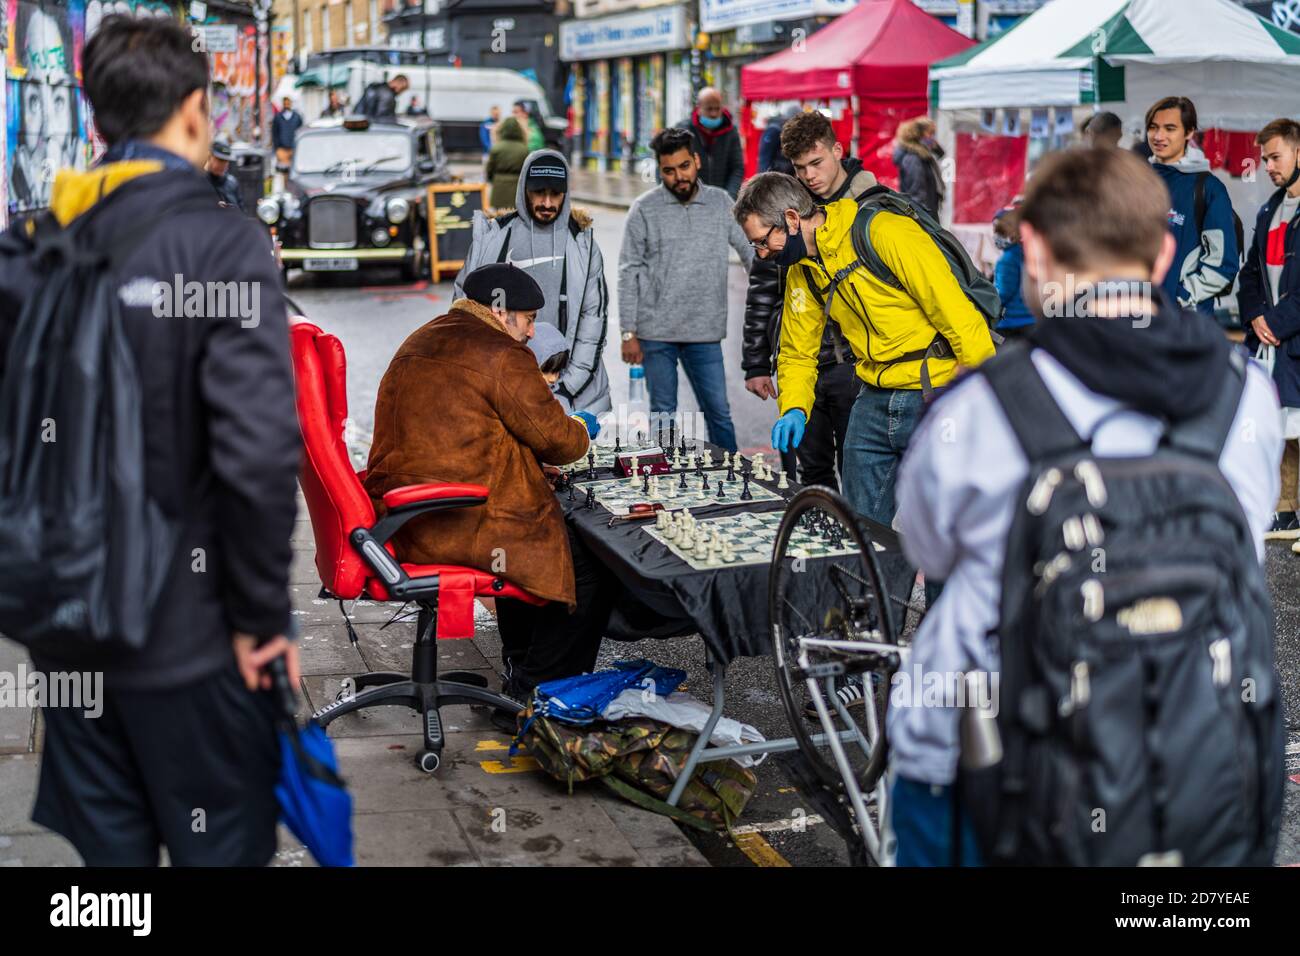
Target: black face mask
793, 250
1294, 176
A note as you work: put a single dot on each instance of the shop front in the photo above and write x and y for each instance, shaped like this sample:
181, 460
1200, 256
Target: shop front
631, 77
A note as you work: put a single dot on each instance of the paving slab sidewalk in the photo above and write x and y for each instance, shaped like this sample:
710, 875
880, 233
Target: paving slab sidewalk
481, 808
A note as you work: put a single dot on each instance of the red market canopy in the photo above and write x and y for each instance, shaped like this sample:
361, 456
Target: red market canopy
880, 49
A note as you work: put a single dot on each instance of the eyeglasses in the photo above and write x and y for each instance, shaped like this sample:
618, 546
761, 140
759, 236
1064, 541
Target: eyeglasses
761, 244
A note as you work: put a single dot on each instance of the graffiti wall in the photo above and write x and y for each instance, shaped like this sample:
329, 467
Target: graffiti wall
234, 85
47, 120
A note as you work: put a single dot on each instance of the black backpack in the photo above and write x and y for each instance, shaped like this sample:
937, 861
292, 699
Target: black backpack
84, 551
978, 288
1138, 705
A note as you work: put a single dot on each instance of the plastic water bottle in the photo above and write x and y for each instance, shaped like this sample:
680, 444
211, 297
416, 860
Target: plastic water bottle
636, 385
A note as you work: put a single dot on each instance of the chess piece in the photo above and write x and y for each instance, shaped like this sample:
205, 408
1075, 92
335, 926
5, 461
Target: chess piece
722, 492
784, 483
591, 498
699, 465
731, 471
728, 553
645, 482
617, 447
654, 487
570, 485
681, 483
745, 493
591, 464
670, 489
708, 458
704, 481
702, 547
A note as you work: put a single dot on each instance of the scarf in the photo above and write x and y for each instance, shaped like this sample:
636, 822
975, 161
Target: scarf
1172, 368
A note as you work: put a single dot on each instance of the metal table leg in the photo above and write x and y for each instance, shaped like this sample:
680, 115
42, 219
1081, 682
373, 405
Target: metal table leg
719, 674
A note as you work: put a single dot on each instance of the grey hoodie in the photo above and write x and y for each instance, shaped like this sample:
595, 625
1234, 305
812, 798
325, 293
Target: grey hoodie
562, 253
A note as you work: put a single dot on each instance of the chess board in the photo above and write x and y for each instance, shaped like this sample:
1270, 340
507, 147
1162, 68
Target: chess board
605, 456
753, 538
618, 496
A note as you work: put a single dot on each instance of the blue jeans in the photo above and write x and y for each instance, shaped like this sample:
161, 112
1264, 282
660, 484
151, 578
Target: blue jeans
880, 426
703, 364
922, 818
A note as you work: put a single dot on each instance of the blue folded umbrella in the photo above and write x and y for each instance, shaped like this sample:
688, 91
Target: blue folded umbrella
314, 802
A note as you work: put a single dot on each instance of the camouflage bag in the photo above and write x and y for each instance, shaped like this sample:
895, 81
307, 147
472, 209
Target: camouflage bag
640, 760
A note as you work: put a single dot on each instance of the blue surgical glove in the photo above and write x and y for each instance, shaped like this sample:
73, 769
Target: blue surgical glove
593, 426
788, 430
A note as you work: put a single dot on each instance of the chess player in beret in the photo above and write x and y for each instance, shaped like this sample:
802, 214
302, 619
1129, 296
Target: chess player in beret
463, 400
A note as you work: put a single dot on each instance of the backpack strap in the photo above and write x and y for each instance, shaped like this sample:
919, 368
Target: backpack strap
1205, 435
1037, 420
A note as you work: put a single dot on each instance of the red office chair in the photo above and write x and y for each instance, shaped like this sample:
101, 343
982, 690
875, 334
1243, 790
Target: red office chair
355, 558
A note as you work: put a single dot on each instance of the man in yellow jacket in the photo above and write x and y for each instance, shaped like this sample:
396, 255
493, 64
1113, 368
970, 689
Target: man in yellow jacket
888, 327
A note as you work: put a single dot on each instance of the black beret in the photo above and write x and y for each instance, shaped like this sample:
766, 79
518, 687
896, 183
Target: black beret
504, 286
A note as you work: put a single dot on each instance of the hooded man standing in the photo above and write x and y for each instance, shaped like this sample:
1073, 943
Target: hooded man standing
717, 142
554, 243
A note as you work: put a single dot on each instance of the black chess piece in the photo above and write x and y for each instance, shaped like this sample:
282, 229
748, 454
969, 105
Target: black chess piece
570, 486
591, 498
591, 464
672, 432
681, 483
722, 494
699, 464
731, 470
645, 481
705, 485
745, 493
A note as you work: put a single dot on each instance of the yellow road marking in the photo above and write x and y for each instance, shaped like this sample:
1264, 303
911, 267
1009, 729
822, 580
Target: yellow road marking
759, 851
514, 765
490, 745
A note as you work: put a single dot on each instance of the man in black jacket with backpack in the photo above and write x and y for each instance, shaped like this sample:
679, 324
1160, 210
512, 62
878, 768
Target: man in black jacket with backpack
184, 754
808, 142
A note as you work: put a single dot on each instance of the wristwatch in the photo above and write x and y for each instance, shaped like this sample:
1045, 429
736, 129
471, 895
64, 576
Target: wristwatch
628, 336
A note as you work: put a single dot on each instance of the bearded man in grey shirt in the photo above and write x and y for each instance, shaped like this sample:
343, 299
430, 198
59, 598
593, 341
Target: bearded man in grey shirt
672, 284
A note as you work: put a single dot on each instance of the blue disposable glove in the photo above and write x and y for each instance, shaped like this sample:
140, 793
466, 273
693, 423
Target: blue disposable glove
593, 426
788, 430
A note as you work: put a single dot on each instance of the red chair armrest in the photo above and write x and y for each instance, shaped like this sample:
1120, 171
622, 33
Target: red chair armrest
418, 494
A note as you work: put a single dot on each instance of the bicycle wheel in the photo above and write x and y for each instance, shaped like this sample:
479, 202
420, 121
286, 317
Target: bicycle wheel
831, 628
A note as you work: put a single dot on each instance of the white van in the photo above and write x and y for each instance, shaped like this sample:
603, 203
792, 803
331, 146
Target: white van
459, 98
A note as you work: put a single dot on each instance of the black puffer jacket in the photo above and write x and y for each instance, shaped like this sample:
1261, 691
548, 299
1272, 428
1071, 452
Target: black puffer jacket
761, 336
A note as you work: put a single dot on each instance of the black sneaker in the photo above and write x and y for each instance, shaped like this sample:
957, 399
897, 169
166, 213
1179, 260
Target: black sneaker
1285, 526
850, 695
505, 721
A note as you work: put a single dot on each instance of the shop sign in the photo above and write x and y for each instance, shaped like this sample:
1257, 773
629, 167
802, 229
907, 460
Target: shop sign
627, 34
717, 15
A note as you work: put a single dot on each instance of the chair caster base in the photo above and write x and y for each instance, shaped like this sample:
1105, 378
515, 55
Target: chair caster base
428, 760
465, 677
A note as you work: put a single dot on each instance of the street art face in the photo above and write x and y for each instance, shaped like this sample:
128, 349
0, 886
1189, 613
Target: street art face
48, 122
44, 131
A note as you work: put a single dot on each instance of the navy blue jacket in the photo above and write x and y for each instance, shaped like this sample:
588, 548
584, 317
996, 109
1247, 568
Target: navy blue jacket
284, 128
1255, 298
1206, 261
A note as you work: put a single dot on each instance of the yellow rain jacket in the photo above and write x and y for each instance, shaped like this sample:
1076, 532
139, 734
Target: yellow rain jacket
879, 321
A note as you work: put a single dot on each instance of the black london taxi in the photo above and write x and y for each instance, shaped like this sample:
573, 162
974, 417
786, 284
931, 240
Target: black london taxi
354, 196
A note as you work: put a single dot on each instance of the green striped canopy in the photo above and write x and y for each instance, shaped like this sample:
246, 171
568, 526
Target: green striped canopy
1072, 52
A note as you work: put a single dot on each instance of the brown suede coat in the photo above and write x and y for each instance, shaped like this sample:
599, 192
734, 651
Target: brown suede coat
462, 401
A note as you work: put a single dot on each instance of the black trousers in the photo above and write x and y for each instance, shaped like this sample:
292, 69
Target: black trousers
821, 453
540, 644
193, 768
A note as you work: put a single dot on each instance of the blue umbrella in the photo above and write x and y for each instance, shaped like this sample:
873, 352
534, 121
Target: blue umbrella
314, 802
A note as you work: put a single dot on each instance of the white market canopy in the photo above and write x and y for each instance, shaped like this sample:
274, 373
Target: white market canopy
1239, 68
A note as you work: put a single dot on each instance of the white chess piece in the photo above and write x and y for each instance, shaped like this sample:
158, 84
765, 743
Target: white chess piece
654, 487
784, 482
728, 553
708, 458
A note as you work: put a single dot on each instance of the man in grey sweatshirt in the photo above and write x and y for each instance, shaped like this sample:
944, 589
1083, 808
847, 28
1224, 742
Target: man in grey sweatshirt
672, 284
554, 243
